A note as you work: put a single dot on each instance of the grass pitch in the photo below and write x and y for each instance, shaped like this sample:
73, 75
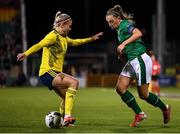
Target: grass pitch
98, 110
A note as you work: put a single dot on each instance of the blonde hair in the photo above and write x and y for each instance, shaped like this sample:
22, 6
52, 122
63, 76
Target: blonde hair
117, 11
59, 17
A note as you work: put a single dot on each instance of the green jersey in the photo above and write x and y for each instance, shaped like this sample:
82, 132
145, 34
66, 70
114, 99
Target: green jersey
133, 49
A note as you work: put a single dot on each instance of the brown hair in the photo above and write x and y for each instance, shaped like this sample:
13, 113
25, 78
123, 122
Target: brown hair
117, 11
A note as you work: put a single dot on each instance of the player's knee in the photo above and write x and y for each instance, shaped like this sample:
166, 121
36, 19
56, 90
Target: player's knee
143, 91
75, 84
143, 96
120, 90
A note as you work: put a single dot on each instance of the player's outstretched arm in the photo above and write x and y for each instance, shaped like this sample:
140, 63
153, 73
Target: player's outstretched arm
76, 42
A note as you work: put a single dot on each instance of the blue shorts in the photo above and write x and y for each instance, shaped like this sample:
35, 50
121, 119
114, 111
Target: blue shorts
47, 78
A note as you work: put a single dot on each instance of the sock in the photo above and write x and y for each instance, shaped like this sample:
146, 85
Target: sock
62, 108
129, 99
69, 101
155, 101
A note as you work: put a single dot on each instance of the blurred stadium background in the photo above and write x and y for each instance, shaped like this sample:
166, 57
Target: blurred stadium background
23, 23
24, 102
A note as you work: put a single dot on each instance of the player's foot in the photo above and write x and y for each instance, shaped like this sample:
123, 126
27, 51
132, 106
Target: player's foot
69, 121
167, 114
138, 119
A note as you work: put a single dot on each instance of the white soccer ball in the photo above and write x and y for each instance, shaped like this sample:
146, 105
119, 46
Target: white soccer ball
53, 119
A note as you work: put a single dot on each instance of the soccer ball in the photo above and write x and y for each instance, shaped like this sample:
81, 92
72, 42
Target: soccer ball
53, 119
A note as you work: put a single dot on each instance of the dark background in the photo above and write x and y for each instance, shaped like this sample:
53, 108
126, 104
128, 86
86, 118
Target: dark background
89, 17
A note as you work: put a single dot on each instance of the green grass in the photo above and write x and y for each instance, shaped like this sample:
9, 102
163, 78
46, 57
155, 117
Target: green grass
98, 110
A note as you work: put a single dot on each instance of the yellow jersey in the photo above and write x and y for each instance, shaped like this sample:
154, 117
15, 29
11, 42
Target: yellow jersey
54, 49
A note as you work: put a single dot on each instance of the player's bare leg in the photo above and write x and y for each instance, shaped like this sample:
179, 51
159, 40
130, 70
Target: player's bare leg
129, 99
72, 86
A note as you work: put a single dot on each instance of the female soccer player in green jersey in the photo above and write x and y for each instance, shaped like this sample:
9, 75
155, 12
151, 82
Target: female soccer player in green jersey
54, 46
139, 64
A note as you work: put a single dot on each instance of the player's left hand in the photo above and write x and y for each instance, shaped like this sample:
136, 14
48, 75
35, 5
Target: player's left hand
96, 36
122, 57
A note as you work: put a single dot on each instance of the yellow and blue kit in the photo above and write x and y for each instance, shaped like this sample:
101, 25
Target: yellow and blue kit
54, 49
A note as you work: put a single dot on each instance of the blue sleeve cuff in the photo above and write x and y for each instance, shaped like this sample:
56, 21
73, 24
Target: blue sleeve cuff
130, 28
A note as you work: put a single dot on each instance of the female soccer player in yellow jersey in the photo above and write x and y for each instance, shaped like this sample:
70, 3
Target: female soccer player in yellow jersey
54, 46
139, 64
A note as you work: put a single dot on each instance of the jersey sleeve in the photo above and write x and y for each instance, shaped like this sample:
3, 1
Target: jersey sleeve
49, 39
130, 27
76, 42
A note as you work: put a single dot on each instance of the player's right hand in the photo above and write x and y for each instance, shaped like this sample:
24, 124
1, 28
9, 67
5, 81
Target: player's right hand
97, 36
21, 56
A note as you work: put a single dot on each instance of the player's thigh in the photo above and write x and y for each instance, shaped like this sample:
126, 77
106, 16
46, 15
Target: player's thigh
123, 83
65, 80
70, 81
58, 86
